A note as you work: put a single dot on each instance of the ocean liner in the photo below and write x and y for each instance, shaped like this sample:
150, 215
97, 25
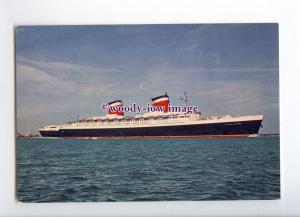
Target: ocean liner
158, 124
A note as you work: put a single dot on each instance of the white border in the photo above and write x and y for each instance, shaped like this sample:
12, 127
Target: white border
13, 12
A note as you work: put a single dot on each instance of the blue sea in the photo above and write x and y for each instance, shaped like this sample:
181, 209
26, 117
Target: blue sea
61, 170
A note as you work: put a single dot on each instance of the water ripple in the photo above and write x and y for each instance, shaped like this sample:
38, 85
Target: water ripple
147, 170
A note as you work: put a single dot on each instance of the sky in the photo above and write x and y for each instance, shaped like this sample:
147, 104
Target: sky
66, 71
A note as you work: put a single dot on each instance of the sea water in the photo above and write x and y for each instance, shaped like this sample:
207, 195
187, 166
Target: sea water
60, 170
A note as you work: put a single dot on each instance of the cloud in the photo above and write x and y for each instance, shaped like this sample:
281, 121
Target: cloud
39, 81
49, 90
64, 69
60, 78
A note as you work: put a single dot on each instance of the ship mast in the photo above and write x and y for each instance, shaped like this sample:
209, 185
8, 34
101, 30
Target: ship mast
184, 98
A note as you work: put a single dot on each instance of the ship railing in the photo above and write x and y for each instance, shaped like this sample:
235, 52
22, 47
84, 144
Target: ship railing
131, 122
